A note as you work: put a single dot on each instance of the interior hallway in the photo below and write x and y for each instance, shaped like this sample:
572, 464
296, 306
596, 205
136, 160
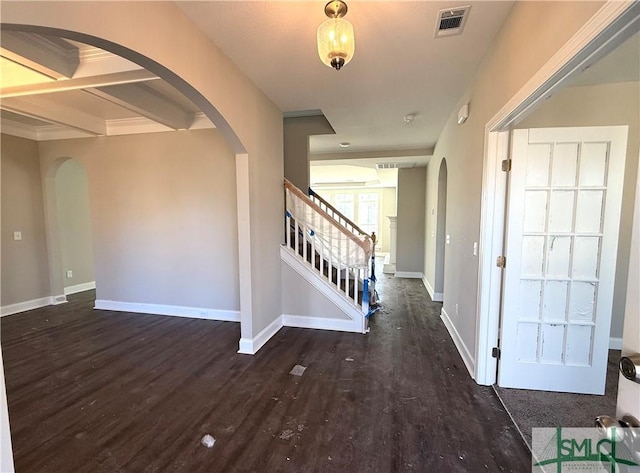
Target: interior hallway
94, 391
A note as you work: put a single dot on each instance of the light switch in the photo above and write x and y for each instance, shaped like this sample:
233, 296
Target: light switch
448, 239
69, 274
475, 248
17, 236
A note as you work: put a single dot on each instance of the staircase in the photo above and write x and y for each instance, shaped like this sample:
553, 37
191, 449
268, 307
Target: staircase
332, 251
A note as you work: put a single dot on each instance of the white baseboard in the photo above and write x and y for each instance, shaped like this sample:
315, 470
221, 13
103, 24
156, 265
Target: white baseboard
457, 340
87, 286
32, 304
25, 306
435, 296
322, 323
615, 343
250, 346
172, 310
408, 274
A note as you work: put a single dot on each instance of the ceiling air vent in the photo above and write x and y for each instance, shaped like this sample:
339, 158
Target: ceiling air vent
394, 165
451, 21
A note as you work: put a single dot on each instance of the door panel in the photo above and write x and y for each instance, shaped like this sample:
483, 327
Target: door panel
564, 205
628, 391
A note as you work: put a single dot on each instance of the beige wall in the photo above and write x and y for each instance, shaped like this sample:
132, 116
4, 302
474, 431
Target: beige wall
296, 132
411, 220
531, 35
602, 105
300, 298
163, 216
25, 273
74, 223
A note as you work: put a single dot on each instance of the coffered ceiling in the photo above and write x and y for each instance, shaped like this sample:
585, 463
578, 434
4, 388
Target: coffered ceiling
53, 88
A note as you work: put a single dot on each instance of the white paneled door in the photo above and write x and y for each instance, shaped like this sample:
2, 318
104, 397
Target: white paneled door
565, 195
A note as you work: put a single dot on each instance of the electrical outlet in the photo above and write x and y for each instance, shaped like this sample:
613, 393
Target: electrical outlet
456, 310
448, 239
17, 236
69, 274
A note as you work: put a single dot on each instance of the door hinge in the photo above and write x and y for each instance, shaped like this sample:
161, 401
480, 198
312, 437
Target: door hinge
495, 353
501, 262
506, 165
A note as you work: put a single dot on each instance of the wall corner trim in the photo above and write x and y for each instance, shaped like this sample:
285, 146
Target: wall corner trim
171, 310
457, 340
250, 346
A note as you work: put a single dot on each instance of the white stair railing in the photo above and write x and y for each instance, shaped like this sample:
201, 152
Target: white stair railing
342, 256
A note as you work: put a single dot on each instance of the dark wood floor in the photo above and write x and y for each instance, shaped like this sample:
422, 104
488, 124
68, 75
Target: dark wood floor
93, 391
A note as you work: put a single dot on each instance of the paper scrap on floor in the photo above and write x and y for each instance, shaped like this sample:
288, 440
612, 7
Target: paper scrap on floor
298, 370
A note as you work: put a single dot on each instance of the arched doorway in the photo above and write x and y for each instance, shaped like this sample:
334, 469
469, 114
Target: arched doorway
441, 237
250, 123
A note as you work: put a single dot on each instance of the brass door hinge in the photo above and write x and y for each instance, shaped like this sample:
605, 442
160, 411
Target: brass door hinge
501, 262
506, 165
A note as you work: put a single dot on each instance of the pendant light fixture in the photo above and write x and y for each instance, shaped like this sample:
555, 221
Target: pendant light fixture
336, 42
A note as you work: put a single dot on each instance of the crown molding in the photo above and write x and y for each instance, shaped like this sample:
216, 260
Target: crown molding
9, 127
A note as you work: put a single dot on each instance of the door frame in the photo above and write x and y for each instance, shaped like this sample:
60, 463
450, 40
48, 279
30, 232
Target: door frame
615, 22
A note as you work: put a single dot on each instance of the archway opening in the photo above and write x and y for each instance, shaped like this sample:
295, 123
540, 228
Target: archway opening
74, 227
441, 237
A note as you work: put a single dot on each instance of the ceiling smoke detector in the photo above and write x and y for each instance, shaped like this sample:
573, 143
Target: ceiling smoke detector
451, 21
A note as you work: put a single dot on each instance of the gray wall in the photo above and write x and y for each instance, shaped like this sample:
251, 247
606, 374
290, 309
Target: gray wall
531, 35
25, 273
411, 220
74, 223
603, 105
163, 216
296, 132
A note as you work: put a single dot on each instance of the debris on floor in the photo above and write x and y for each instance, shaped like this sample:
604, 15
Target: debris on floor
286, 434
298, 370
208, 441
348, 359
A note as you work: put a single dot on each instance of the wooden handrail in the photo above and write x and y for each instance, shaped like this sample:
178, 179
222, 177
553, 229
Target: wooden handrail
340, 214
317, 208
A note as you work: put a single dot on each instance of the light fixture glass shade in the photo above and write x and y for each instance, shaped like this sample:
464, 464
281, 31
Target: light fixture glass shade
336, 42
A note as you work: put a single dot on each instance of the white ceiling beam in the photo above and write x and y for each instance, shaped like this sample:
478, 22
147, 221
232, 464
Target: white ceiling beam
55, 113
52, 57
146, 102
118, 78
